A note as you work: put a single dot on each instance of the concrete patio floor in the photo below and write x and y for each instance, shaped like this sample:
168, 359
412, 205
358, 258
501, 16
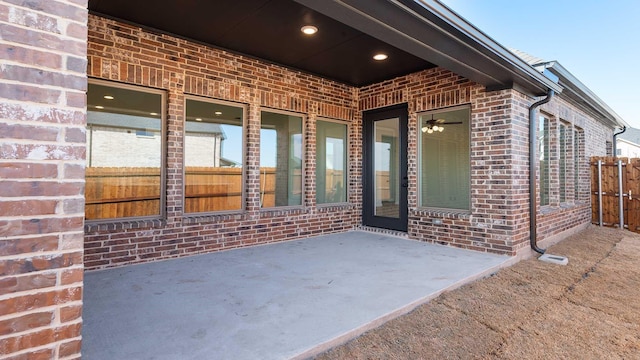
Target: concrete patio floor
279, 301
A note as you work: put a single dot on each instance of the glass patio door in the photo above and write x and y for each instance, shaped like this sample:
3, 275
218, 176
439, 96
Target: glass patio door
385, 180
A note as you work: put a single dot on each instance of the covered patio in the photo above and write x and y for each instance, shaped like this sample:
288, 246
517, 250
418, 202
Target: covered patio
278, 301
114, 124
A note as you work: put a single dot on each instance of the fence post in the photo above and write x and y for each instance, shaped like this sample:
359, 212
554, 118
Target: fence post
620, 195
600, 192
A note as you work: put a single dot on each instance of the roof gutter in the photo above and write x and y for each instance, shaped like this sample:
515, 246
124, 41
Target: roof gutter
615, 140
533, 205
581, 94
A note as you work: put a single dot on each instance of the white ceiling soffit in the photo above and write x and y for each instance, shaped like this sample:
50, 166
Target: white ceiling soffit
433, 32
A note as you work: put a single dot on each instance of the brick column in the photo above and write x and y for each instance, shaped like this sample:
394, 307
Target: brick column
43, 50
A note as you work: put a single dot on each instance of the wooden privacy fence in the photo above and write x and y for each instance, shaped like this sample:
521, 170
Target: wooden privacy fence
135, 192
615, 192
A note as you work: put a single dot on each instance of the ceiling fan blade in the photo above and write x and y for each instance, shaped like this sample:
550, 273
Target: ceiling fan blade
452, 123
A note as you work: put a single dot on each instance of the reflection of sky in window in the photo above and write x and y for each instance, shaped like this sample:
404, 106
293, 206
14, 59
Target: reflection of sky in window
541, 137
383, 155
232, 145
335, 152
297, 146
268, 149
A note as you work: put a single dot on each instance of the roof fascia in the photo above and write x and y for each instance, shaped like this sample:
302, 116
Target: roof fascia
433, 32
522, 69
628, 142
580, 93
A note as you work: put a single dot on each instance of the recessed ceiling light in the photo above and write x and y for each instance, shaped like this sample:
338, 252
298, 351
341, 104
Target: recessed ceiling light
153, 114
218, 112
198, 119
108, 97
380, 57
99, 107
309, 30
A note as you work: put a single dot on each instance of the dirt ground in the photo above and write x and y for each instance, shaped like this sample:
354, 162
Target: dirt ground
589, 309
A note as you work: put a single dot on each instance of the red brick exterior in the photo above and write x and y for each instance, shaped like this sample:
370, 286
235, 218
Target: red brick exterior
42, 146
499, 218
497, 222
46, 57
595, 139
128, 54
499, 160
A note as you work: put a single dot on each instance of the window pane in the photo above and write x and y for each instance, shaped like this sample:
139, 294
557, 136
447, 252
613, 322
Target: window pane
577, 155
124, 152
387, 167
280, 160
543, 153
213, 157
576, 169
562, 173
331, 160
444, 159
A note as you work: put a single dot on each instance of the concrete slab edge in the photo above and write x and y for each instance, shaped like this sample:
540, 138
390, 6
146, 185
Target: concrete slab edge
354, 333
217, 251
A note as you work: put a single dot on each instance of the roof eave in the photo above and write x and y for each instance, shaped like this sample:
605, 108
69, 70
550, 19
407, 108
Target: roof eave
627, 141
520, 68
430, 30
581, 94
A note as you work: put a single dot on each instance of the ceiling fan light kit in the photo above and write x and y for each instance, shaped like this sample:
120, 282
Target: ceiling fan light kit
430, 129
435, 125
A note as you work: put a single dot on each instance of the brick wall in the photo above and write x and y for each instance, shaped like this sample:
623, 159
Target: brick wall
131, 55
498, 155
42, 146
499, 217
497, 222
560, 216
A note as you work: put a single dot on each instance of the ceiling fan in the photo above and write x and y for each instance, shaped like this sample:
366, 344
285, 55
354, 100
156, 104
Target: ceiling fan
433, 125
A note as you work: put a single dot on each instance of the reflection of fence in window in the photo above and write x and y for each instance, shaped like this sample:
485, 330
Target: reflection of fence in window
334, 186
135, 192
113, 192
269, 185
383, 190
210, 189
